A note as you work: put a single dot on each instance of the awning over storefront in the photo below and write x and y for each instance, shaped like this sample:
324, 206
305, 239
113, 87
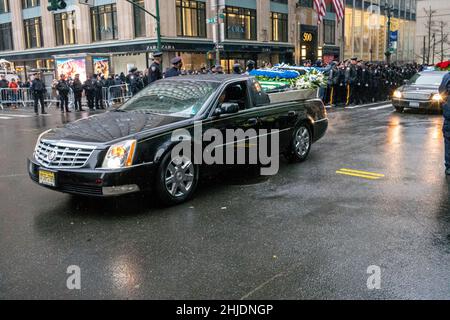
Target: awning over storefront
171, 45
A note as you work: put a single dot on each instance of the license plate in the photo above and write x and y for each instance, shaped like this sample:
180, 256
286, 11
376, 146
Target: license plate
47, 178
414, 104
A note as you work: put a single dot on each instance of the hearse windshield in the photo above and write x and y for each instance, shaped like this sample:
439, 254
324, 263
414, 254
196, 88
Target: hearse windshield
174, 98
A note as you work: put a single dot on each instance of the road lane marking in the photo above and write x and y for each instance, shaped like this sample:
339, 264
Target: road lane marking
18, 115
355, 107
365, 105
6, 118
360, 174
382, 107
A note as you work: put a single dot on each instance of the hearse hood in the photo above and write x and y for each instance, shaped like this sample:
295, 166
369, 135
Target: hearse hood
420, 88
108, 127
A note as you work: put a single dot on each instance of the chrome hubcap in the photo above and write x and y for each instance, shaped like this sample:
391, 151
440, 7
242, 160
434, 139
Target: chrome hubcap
179, 177
302, 141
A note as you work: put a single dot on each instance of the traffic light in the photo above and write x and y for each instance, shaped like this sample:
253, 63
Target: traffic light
55, 5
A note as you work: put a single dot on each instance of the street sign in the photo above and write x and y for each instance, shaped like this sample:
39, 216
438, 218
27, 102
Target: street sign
212, 20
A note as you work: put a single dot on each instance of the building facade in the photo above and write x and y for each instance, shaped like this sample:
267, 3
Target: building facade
267, 31
366, 29
432, 40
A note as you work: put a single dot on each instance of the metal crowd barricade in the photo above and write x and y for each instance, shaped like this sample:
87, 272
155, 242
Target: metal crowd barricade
15, 97
25, 97
117, 94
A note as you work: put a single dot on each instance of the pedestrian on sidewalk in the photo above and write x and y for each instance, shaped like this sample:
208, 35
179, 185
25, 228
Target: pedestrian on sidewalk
38, 90
444, 90
14, 91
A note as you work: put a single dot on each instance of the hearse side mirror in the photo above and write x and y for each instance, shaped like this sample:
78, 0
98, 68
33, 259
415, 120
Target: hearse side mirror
406, 81
227, 108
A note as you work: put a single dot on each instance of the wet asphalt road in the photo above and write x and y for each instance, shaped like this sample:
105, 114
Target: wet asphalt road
307, 233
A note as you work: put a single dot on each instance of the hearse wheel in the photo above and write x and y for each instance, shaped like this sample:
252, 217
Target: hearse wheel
399, 109
176, 179
301, 143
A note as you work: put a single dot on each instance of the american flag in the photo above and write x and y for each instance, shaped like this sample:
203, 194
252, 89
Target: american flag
339, 9
321, 10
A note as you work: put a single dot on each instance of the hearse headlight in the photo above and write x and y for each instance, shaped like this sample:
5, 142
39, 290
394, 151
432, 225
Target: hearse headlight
397, 94
437, 98
120, 155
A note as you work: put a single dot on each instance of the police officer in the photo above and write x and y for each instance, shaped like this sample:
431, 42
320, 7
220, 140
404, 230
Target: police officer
444, 90
77, 88
175, 71
63, 90
350, 81
38, 90
155, 73
89, 91
251, 65
341, 89
332, 84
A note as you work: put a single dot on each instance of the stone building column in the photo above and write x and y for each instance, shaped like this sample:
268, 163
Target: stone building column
263, 20
83, 24
17, 23
125, 21
48, 25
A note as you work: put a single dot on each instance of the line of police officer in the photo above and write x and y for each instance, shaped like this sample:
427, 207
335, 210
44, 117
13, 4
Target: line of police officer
155, 73
357, 82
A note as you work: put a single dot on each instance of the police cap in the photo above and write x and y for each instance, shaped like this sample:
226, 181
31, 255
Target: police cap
175, 60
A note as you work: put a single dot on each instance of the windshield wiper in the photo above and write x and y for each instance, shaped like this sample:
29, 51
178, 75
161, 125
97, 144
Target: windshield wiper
120, 110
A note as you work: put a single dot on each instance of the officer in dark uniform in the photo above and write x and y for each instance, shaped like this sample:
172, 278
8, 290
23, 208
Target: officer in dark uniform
332, 85
358, 87
250, 66
341, 89
365, 83
155, 73
376, 83
350, 81
175, 71
444, 90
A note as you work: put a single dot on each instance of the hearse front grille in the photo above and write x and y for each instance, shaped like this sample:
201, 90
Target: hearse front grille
55, 155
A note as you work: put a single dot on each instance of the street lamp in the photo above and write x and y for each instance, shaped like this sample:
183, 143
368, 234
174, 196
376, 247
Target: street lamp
388, 9
156, 16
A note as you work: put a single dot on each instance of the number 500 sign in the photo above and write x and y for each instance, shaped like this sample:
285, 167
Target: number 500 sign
307, 37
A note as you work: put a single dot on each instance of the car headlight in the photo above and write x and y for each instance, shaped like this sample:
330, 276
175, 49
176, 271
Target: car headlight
120, 155
397, 94
437, 98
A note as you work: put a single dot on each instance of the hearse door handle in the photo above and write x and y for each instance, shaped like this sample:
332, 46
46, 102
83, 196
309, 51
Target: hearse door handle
292, 113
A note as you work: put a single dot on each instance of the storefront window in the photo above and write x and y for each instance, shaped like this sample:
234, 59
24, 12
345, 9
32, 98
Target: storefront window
4, 6
33, 33
329, 32
279, 27
6, 42
191, 19
30, 3
139, 19
104, 23
240, 23
193, 62
65, 28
